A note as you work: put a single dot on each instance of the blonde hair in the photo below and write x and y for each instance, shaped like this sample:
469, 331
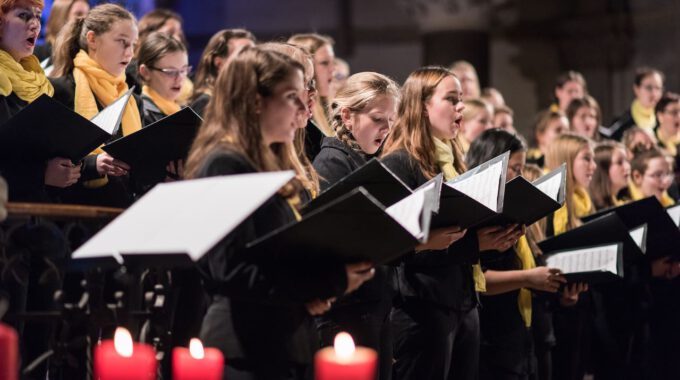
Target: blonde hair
601, 185
300, 159
231, 119
474, 107
74, 36
312, 42
565, 148
358, 91
411, 132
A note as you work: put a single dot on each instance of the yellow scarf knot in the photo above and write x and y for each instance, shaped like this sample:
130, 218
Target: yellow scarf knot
25, 78
582, 205
168, 107
642, 116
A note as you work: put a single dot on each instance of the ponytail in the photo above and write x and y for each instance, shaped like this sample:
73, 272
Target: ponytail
68, 44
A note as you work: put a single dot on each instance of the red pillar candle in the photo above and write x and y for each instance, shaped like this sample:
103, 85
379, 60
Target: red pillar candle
197, 363
9, 353
121, 359
343, 361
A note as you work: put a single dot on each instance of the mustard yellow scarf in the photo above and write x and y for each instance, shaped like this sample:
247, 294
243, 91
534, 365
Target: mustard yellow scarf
643, 117
526, 257
636, 194
445, 158
26, 78
669, 143
582, 205
168, 107
94, 83
186, 92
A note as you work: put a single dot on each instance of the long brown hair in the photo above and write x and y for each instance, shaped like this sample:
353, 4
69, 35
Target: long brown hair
411, 132
231, 119
301, 56
565, 148
74, 36
58, 18
154, 20
218, 46
601, 185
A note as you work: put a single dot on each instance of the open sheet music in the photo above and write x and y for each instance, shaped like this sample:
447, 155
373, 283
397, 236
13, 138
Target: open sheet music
185, 217
109, 118
639, 236
483, 186
409, 211
595, 259
551, 185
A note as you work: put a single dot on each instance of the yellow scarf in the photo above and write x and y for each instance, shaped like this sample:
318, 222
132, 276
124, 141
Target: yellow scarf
636, 195
554, 107
643, 117
526, 257
582, 204
669, 143
168, 107
444, 156
25, 78
92, 81
294, 202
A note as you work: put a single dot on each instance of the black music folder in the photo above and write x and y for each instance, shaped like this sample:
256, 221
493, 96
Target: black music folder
149, 150
177, 223
475, 196
357, 227
46, 129
527, 202
663, 236
593, 265
606, 229
373, 176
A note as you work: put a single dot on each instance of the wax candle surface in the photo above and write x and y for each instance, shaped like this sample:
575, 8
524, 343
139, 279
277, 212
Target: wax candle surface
9, 353
121, 359
197, 363
344, 361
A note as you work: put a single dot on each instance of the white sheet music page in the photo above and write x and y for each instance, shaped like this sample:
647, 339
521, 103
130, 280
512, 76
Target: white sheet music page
483, 186
601, 258
184, 217
637, 234
551, 187
109, 118
407, 211
674, 212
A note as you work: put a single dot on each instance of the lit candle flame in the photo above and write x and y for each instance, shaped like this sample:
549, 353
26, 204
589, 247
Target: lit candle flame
122, 342
344, 346
196, 349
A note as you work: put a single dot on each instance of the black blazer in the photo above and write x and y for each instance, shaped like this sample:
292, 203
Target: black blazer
313, 139
151, 111
257, 315
119, 191
25, 179
442, 277
621, 124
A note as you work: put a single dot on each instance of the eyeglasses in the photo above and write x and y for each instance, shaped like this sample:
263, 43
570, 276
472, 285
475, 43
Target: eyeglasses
651, 88
174, 73
675, 112
660, 176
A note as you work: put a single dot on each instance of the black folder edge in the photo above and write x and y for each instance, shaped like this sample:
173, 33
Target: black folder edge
438, 183
361, 190
633, 259
671, 208
664, 216
594, 277
329, 193
643, 244
150, 128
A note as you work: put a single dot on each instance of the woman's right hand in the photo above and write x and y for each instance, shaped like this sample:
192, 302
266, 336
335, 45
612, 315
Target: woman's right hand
441, 238
545, 279
61, 172
357, 274
498, 238
107, 165
571, 293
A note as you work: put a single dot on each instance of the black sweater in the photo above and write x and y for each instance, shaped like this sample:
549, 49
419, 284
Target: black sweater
442, 277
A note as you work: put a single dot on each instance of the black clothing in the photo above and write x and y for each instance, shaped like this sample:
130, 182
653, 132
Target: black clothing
199, 103
257, 316
364, 313
506, 348
151, 111
119, 191
621, 125
313, 140
436, 321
